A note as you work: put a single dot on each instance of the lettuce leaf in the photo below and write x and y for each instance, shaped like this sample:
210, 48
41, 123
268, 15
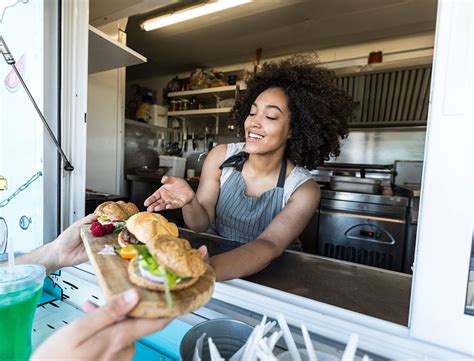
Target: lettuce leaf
151, 265
118, 227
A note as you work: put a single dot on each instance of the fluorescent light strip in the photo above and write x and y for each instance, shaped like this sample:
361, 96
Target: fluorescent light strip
191, 13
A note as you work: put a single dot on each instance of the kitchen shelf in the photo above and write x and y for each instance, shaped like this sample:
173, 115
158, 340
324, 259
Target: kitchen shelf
208, 97
403, 64
200, 112
106, 53
146, 125
218, 91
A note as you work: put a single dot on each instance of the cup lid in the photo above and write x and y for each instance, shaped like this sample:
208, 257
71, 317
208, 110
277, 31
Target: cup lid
24, 276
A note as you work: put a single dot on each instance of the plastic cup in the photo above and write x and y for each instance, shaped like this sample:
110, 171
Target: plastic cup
19, 295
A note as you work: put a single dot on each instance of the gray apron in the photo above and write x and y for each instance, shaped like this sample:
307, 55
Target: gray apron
243, 218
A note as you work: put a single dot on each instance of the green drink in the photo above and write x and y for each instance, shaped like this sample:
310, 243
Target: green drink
19, 294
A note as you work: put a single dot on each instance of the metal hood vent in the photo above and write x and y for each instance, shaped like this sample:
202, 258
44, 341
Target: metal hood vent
395, 97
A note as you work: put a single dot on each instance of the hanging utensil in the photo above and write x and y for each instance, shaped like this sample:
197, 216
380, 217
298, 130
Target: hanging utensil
258, 56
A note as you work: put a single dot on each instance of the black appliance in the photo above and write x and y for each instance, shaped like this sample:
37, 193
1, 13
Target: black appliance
142, 182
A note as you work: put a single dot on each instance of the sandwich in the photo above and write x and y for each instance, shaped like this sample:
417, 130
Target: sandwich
166, 258
164, 262
145, 226
115, 212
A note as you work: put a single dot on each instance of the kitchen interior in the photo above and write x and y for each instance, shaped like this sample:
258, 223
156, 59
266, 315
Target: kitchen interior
163, 115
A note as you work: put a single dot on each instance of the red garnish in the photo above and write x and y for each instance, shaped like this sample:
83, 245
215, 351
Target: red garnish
109, 228
100, 230
97, 229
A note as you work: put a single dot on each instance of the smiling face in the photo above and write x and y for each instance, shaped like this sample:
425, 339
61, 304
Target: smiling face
267, 127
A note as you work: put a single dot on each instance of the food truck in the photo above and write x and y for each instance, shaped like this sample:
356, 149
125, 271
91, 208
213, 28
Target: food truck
389, 259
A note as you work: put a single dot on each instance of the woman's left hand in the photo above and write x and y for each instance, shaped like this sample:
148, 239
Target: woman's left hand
105, 333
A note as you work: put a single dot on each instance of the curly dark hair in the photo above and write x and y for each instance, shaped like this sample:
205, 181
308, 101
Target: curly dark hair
320, 110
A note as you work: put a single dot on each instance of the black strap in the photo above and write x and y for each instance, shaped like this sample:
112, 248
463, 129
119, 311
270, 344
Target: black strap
236, 161
282, 176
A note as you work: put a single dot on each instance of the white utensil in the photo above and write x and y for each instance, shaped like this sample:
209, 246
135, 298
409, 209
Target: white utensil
309, 345
198, 348
268, 326
274, 339
215, 355
288, 338
351, 348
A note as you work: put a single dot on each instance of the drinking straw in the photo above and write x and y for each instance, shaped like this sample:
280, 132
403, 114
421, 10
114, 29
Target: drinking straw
268, 326
249, 353
198, 348
274, 339
215, 355
263, 346
265, 351
295, 356
11, 256
351, 348
309, 345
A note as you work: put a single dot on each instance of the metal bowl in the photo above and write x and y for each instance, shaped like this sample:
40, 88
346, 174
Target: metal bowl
322, 356
227, 334
149, 171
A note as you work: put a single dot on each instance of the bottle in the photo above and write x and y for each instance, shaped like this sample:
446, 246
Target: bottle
185, 104
194, 103
173, 106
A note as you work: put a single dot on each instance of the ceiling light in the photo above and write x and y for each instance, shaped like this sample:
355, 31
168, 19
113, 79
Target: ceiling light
190, 13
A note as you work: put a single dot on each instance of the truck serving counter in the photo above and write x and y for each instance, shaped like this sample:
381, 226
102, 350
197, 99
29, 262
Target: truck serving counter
318, 292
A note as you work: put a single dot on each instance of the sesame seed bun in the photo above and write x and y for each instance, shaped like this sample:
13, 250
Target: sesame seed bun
147, 227
116, 211
176, 255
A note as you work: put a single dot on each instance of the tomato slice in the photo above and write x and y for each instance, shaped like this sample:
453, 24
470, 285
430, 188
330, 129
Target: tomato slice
128, 252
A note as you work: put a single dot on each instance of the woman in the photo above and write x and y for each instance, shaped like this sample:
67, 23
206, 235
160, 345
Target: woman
260, 192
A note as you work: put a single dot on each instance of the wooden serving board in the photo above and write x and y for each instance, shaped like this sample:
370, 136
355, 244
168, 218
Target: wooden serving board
112, 274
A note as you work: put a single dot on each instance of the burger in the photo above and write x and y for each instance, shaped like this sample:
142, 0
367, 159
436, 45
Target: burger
164, 262
145, 226
111, 217
115, 213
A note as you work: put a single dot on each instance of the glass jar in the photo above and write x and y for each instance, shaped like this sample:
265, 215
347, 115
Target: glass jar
185, 104
194, 103
173, 107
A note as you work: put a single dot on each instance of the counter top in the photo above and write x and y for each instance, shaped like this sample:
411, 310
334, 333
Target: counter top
371, 291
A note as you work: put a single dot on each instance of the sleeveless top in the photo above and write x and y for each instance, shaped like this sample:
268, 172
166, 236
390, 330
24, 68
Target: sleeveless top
242, 218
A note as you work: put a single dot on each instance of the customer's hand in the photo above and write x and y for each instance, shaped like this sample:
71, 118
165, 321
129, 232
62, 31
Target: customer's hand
174, 193
68, 247
105, 333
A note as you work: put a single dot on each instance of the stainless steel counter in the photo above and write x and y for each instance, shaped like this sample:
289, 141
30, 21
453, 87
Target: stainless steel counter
367, 290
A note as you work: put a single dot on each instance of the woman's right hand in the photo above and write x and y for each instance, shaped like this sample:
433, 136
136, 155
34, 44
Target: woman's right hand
174, 193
